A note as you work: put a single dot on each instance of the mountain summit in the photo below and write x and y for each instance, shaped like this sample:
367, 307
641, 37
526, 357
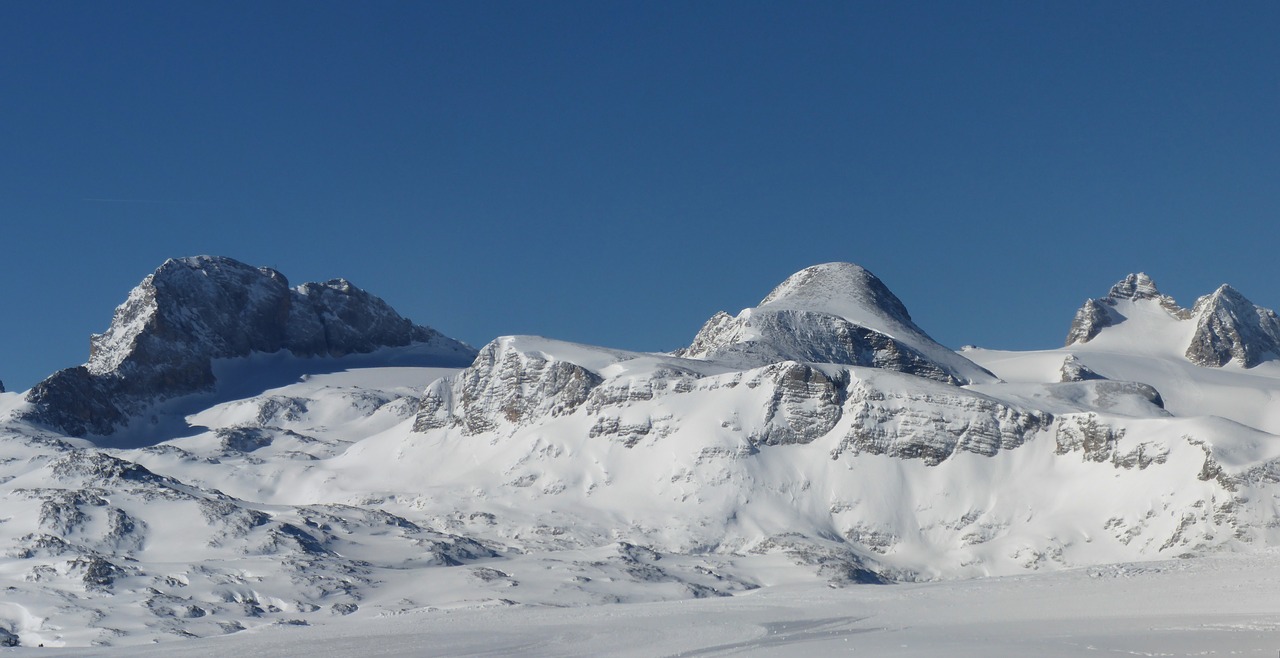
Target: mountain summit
818, 437
1097, 314
190, 311
832, 313
1229, 327
1221, 327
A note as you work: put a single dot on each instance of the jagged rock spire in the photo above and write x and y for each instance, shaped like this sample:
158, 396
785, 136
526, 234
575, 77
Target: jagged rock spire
1135, 286
1230, 327
1097, 314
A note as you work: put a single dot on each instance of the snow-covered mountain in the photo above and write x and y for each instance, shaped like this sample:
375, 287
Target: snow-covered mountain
333, 459
164, 339
831, 313
1220, 328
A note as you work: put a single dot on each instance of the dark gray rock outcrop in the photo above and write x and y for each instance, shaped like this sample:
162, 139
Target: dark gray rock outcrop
1074, 371
1136, 286
1229, 327
190, 311
1092, 317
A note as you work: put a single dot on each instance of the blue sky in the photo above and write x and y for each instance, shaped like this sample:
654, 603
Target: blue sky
615, 173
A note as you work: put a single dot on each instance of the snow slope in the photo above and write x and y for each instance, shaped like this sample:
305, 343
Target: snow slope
734, 495
1207, 607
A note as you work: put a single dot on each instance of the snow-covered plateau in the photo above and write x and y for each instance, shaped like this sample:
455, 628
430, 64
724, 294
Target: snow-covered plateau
246, 467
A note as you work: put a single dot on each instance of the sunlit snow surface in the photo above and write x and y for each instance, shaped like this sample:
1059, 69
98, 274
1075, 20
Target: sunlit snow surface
1217, 606
295, 511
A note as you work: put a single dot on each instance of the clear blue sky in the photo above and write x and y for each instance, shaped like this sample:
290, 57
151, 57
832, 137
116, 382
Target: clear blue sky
614, 173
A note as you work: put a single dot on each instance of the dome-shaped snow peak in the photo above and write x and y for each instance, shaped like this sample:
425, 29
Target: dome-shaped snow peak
842, 289
832, 313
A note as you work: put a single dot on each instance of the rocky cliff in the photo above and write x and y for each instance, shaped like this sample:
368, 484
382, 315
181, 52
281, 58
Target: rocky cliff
1231, 328
190, 311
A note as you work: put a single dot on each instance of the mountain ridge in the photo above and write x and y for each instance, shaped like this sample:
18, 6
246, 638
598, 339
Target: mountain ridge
818, 438
1227, 326
190, 311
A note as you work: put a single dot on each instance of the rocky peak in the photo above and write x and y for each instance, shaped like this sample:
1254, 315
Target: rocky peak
1091, 318
204, 306
831, 313
1073, 370
1230, 327
337, 318
1097, 314
190, 311
1135, 286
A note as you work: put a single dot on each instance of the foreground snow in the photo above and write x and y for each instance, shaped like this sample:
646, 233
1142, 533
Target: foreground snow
1218, 606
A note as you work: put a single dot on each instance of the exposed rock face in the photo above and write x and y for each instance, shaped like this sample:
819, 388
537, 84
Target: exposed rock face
163, 338
1097, 314
336, 318
933, 424
1074, 371
805, 405
1097, 442
832, 313
1230, 327
1092, 318
505, 384
792, 335
1135, 286
519, 382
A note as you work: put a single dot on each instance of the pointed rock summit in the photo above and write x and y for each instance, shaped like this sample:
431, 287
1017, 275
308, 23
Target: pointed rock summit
1229, 327
1097, 314
1073, 370
190, 311
1135, 286
832, 313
